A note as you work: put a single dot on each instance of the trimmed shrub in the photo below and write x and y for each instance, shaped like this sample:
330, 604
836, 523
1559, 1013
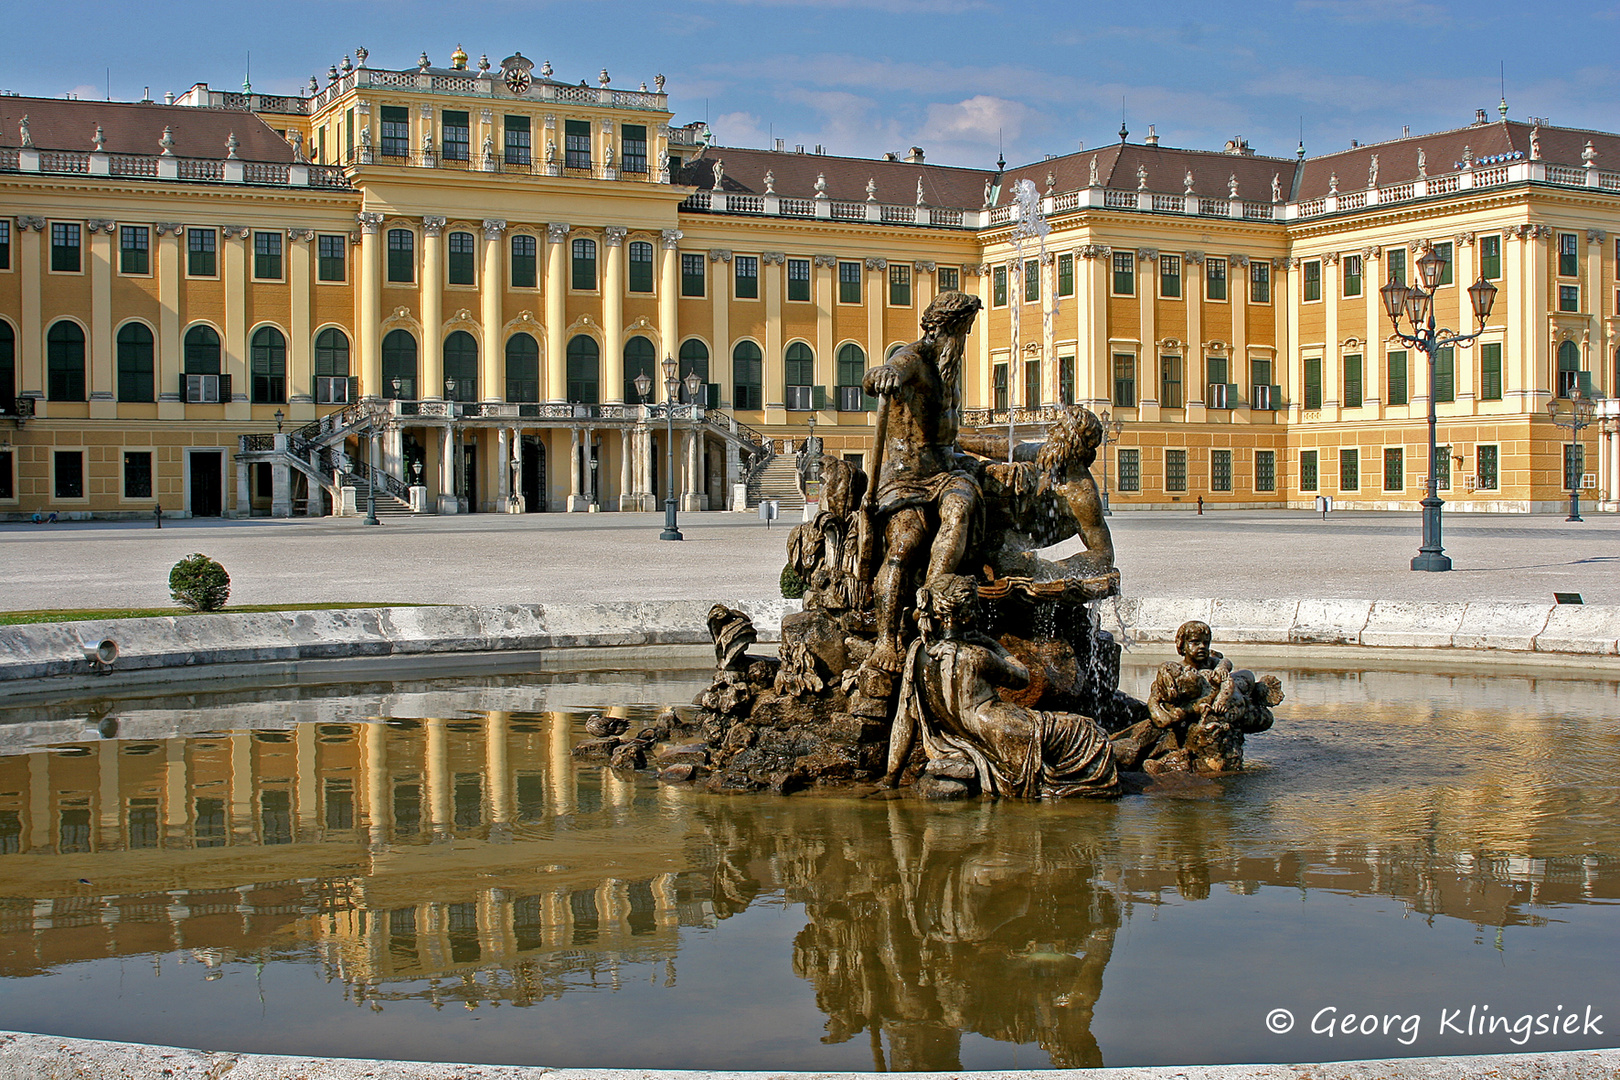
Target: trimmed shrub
199, 583
792, 586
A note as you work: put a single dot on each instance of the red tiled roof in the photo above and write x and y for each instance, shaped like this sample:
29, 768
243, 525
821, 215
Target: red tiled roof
134, 127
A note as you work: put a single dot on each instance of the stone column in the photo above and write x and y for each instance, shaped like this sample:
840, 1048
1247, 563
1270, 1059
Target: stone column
447, 472
370, 340
560, 752
300, 343
556, 362
1194, 384
503, 490
669, 292
103, 401
519, 502
627, 500
432, 293
576, 501
498, 765
491, 287
169, 253
244, 500
233, 259
440, 795
613, 285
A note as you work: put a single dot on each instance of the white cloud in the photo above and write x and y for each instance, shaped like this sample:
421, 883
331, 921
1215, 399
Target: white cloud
980, 119
738, 129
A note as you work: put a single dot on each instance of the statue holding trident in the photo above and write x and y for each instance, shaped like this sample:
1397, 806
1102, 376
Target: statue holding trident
926, 497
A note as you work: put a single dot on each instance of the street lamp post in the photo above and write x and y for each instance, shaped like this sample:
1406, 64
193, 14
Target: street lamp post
1110, 433
378, 412
1582, 411
1416, 301
280, 416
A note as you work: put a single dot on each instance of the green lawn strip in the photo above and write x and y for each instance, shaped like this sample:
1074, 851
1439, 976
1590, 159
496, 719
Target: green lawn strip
44, 615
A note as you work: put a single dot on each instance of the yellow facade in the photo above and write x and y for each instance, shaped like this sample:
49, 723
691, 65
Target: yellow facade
539, 243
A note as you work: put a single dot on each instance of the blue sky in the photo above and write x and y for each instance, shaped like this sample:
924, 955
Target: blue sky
958, 77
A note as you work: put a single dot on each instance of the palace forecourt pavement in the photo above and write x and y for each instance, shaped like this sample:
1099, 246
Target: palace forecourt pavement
571, 558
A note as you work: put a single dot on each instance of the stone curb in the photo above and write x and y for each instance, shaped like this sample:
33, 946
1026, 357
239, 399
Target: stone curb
49, 650
47, 1057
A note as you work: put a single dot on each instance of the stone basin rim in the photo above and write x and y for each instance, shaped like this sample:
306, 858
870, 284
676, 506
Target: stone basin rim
26, 1056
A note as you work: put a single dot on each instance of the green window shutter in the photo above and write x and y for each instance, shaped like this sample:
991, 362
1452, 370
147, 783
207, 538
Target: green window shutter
1313, 383
818, 397
1445, 375
1490, 372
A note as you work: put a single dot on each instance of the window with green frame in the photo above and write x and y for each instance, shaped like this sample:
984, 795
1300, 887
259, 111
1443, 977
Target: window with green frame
522, 368
1350, 469
1065, 275
1066, 380
1265, 470
1259, 282
1313, 382
694, 359
135, 363
64, 362
583, 277
851, 373
798, 278
1448, 267
747, 373
1490, 257
1445, 374
1129, 462
1394, 468
1350, 265
998, 286
1569, 259
799, 376
745, 275
1170, 276
1395, 264
577, 144
461, 364
1125, 380
461, 263
525, 262
694, 277
1307, 470
1032, 281
1220, 470
899, 285
1032, 384
1490, 371
849, 283
1215, 279
1352, 381
1170, 382
1175, 470
1487, 467
1311, 287
998, 386
584, 367
641, 266
640, 358
1124, 273
1395, 378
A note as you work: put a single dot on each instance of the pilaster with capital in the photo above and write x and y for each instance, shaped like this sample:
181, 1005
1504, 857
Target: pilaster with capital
370, 273
613, 285
669, 291
432, 293
556, 312
491, 288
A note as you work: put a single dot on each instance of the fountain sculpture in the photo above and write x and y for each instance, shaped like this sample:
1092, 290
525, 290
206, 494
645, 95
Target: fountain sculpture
937, 648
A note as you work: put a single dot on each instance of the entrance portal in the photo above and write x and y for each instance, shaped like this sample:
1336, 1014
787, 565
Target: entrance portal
207, 486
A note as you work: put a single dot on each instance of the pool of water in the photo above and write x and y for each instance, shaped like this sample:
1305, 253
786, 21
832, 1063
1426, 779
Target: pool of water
423, 871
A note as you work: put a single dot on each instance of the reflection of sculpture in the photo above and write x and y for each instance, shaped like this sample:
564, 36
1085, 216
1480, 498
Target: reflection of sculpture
924, 495
949, 697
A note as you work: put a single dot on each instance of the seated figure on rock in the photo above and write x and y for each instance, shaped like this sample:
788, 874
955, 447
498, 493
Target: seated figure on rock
1204, 708
949, 698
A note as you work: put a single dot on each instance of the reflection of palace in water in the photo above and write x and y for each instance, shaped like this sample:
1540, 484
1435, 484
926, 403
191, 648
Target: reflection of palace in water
471, 859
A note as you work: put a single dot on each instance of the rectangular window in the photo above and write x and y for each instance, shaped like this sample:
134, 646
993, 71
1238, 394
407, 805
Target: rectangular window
1442, 473
1574, 465
1307, 470
1170, 276
1313, 383
348, 128
1124, 273
1125, 380
1312, 288
1215, 279
998, 287
798, 276
1260, 375
1065, 275
1350, 469
899, 285
1217, 394
1394, 468
134, 249
461, 258
69, 474
1032, 281
1490, 372
457, 135
1569, 298
1066, 380
200, 251
746, 269
1352, 381
1448, 262
5, 245
138, 474
1445, 374
526, 260
1130, 470
1032, 384
998, 387
519, 141
1396, 391
1395, 260
1265, 470
332, 258
401, 256
577, 144
396, 131
1351, 267
8, 483
267, 256
1170, 382
633, 148
950, 279
1490, 257
1259, 282
1220, 470
849, 283
64, 248
1569, 262
1487, 467
1175, 470
692, 275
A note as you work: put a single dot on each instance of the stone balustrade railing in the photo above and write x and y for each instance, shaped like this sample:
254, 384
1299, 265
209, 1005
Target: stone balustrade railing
181, 169
468, 85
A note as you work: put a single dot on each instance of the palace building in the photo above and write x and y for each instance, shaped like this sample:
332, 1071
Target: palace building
464, 288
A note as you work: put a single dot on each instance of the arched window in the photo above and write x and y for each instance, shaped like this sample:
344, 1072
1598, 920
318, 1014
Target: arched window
584, 264
202, 351
694, 357
461, 364
135, 363
522, 368
401, 256
332, 367
639, 357
851, 370
8, 369
747, 376
800, 365
584, 362
399, 365
1569, 369
269, 358
462, 250
64, 362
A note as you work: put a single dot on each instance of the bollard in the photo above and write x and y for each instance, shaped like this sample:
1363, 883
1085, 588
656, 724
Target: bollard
1200, 506
157, 515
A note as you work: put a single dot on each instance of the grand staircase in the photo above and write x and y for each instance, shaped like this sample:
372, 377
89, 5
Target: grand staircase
779, 481
388, 505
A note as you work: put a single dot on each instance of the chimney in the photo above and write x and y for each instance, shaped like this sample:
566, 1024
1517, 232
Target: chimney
916, 156
799, 148
1479, 116
781, 145
1406, 131
890, 155
1152, 136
